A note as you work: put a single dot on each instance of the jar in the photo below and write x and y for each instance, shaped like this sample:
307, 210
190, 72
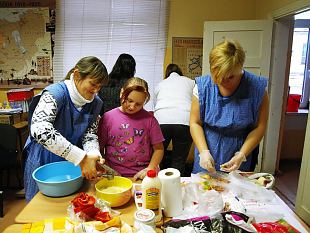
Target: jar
146, 217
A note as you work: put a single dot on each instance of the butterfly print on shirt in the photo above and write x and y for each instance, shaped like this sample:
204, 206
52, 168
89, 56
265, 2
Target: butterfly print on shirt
118, 144
115, 153
130, 140
138, 132
124, 126
120, 159
124, 150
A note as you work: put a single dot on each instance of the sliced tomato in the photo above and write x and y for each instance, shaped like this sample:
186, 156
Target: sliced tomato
89, 200
82, 200
103, 216
91, 211
77, 209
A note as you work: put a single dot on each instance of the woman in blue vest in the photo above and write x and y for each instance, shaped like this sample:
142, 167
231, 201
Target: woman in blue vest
229, 113
63, 121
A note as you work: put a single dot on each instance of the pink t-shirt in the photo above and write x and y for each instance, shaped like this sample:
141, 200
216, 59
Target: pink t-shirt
127, 140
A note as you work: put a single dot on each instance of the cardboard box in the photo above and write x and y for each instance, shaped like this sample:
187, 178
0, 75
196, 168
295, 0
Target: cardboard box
10, 119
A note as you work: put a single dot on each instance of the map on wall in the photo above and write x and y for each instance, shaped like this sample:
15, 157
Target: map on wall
25, 45
187, 54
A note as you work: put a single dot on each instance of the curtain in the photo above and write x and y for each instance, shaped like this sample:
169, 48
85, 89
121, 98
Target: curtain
107, 28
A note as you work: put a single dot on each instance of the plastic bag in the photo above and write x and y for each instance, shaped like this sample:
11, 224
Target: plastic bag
197, 203
245, 189
204, 224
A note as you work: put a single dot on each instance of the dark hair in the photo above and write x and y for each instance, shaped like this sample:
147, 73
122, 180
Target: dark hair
91, 67
135, 84
124, 68
173, 68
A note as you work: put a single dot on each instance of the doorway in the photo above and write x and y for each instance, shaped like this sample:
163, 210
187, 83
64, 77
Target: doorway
296, 112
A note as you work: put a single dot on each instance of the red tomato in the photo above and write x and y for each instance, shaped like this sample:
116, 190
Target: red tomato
83, 200
103, 216
91, 211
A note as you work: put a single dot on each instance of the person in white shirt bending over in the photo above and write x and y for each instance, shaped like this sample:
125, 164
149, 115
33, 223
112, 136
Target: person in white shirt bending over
172, 104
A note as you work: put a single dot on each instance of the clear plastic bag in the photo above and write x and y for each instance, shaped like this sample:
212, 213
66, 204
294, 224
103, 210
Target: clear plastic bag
245, 189
197, 202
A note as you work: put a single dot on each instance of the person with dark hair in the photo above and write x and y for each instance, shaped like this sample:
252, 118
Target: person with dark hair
63, 122
172, 101
229, 112
173, 68
129, 135
123, 69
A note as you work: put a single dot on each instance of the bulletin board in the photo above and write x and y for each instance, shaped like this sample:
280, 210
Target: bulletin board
187, 54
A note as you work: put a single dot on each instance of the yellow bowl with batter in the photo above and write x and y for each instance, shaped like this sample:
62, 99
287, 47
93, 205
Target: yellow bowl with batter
116, 191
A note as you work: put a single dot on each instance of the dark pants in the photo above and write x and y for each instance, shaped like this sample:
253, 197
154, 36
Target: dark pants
254, 160
181, 144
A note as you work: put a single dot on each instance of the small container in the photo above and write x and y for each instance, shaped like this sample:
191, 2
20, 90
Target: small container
146, 217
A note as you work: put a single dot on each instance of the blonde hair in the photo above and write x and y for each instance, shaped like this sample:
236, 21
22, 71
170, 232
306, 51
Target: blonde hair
91, 67
224, 58
135, 84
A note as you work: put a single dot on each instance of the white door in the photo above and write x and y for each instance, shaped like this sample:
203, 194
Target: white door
255, 37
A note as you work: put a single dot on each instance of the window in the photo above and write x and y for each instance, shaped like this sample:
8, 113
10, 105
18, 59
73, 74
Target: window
297, 68
107, 28
299, 82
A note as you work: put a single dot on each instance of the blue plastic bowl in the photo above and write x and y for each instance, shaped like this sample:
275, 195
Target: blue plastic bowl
58, 179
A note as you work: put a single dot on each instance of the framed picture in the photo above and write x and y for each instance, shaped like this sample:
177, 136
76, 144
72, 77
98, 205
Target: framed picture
187, 54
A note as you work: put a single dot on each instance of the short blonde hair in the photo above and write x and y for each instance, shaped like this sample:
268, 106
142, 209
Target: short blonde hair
135, 84
224, 58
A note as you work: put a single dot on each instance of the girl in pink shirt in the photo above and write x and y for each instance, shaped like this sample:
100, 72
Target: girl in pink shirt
130, 136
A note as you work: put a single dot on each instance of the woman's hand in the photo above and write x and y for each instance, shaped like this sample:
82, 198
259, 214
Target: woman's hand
206, 161
88, 166
234, 163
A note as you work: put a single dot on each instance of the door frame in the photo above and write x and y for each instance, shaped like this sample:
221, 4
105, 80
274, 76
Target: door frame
278, 87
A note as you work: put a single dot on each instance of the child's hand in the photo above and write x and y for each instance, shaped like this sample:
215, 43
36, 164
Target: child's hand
141, 174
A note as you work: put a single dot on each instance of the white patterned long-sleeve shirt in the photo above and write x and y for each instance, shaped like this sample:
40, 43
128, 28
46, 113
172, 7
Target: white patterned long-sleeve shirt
43, 131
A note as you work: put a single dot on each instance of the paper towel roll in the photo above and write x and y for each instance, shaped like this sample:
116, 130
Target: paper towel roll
171, 194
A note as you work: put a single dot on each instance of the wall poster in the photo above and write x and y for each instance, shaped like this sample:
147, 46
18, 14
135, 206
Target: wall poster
187, 54
25, 45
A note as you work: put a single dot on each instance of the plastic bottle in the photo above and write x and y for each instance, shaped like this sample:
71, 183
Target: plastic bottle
151, 194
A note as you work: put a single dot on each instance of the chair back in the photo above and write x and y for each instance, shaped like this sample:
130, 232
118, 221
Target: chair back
8, 138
